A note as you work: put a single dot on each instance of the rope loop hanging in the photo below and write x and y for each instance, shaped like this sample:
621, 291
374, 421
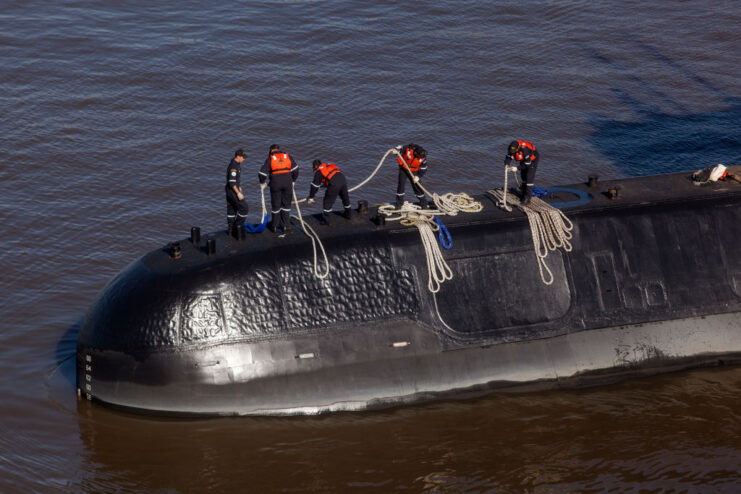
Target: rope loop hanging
550, 228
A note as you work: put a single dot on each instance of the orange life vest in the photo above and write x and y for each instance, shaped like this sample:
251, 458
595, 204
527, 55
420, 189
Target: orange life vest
328, 170
519, 156
413, 162
280, 163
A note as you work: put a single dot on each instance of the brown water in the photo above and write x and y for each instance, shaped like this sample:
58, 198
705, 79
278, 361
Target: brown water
117, 123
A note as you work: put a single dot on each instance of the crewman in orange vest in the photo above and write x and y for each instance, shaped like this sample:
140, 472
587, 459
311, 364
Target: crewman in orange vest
527, 155
283, 171
416, 159
331, 177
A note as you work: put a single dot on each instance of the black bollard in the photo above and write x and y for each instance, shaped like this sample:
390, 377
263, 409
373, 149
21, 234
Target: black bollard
195, 235
593, 180
612, 193
362, 207
210, 246
175, 251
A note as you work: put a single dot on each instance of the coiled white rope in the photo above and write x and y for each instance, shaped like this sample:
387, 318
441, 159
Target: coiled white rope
450, 204
410, 214
550, 228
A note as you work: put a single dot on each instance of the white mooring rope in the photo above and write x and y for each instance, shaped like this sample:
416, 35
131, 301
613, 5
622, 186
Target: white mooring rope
314, 237
450, 204
549, 227
410, 214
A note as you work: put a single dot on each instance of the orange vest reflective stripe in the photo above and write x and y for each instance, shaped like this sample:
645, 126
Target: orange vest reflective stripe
518, 156
408, 154
328, 170
280, 163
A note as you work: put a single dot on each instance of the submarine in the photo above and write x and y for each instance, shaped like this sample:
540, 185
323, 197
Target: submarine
225, 324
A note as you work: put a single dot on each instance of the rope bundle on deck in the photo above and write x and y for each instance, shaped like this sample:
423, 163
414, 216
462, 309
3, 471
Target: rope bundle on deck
427, 223
549, 228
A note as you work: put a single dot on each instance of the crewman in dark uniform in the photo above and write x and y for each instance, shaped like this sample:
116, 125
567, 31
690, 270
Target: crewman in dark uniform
236, 206
331, 177
527, 155
283, 171
416, 158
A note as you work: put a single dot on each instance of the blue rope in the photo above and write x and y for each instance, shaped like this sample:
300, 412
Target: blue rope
258, 227
443, 234
538, 192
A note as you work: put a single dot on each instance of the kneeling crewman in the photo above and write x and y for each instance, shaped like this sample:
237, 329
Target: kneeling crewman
331, 177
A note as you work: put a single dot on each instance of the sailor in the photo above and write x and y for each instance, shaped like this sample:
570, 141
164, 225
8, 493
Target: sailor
416, 159
527, 155
283, 171
236, 206
331, 177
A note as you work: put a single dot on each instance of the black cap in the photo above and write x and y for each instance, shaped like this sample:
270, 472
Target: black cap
316, 163
240, 152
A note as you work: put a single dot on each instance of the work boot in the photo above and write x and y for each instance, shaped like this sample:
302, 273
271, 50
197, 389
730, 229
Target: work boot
347, 214
423, 203
324, 220
525, 200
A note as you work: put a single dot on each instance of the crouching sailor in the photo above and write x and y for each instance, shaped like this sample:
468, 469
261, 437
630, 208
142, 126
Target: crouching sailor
283, 171
416, 159
236, 206
527, 155
331, 177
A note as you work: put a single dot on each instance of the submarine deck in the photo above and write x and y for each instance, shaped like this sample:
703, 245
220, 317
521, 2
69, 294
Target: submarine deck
653, 190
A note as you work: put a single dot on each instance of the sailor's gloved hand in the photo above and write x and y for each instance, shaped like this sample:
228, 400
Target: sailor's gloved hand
310, 200
262, 186
511, 168
507, 160
398, 148
240, 196
415, 179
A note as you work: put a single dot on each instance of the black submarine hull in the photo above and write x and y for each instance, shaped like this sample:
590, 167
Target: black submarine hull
651, 285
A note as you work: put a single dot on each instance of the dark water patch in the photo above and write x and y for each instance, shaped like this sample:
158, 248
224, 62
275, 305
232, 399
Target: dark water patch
663, 143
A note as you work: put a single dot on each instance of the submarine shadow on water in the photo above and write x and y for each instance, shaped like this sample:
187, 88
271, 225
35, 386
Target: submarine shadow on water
59, 378
661, 142
65, 353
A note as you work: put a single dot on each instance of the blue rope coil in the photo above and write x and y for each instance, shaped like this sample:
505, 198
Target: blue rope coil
443, 234
258, 227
